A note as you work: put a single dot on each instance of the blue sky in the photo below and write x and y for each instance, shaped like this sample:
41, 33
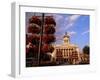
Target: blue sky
76, 25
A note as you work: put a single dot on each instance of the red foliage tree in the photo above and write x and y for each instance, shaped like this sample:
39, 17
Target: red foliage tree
49, 20
34, 38
33, 28
35, 19
31, 48
47, 48
48, 38
49, 29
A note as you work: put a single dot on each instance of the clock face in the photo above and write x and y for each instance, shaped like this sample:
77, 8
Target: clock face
56, 39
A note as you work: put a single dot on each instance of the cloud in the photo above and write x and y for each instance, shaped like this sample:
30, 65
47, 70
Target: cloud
73, 18
70, 21
85, 32
57, 17
59, 37
72, 33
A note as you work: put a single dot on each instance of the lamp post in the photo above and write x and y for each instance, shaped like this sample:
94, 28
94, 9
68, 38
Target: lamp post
40, 44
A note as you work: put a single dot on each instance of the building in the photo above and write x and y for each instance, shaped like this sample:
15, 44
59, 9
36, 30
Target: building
66, 53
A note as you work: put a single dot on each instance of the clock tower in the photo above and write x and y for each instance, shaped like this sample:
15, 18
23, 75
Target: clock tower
66, 38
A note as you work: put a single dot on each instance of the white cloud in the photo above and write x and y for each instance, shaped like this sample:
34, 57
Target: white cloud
71, 33
57, 17
85, 32
60, 36
73, 18
70, 21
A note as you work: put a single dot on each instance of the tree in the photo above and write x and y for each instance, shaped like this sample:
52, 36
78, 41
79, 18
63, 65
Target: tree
86, 50
32, 41
48, 38
39, 43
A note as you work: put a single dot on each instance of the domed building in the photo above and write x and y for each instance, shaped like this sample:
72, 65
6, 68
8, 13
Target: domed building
66, 53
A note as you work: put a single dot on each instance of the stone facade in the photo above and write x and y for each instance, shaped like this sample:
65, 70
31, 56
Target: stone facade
66, 53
